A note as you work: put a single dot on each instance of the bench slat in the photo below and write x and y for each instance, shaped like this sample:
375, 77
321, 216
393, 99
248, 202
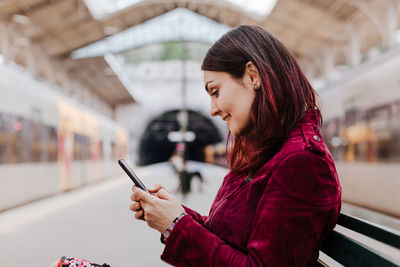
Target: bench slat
351, 253
367, 229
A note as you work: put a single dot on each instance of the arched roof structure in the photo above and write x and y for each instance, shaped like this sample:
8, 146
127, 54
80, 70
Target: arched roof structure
320, 33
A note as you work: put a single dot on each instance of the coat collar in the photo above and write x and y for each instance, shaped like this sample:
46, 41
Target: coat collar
312, 116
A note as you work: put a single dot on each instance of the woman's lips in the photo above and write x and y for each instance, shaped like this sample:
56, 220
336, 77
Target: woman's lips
227, 117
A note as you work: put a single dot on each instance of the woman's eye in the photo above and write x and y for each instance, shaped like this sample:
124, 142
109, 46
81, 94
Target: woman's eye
214, 92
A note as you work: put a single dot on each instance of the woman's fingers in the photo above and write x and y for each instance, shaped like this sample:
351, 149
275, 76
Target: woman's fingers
139, 215
157, 188
139, 212
163, 194
139, 195
135, 198
166, 189
158, 208
135, 207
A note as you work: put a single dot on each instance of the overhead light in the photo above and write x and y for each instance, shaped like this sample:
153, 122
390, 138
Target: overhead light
20, 19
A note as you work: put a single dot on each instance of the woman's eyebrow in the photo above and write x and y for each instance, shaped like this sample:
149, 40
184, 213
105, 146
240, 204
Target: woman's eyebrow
206, 86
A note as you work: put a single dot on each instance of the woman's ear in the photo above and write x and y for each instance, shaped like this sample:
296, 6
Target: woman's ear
253, 76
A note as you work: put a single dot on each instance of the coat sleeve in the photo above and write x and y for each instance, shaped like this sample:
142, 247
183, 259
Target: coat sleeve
195, 215
286, 229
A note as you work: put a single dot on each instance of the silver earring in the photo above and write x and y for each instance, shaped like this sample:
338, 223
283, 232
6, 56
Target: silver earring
256, 86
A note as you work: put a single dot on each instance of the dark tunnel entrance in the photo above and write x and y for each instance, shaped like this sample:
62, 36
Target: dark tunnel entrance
155, 147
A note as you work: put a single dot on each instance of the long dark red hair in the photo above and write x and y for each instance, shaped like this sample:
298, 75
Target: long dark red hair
280, 102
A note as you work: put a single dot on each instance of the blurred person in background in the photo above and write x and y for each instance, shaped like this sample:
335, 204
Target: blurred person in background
179, 165
282, 194
185, 176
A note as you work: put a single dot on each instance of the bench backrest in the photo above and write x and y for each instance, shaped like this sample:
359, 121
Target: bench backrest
350, 252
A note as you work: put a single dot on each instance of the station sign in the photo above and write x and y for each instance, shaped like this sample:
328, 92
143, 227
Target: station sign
178, 136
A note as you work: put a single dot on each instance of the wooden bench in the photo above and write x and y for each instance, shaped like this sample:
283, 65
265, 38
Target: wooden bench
349, 252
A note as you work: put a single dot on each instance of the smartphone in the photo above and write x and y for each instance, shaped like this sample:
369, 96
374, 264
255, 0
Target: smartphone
132, 175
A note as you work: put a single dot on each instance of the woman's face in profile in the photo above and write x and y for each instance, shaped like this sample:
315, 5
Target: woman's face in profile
230, 99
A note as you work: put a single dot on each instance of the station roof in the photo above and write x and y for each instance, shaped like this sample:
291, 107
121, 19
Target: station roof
97, 74
304, 26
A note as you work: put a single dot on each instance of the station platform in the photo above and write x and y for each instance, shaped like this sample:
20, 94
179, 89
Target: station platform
95, 223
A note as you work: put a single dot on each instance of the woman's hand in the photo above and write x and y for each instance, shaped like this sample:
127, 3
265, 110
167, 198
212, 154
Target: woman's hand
158, 209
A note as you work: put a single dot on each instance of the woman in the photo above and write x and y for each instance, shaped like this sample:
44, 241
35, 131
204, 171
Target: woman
282, 194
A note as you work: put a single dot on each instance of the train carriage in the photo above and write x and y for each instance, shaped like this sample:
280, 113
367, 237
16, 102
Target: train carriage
362, 125
50, 143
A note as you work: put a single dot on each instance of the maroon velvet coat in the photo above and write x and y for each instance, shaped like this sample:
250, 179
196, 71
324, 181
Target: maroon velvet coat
277, 219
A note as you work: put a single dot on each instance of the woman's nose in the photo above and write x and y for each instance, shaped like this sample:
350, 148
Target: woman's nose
214, 110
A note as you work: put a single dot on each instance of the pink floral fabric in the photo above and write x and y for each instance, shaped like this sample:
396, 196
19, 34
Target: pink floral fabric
75, 262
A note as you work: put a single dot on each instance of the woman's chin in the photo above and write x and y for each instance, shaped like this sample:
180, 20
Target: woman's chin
233, 132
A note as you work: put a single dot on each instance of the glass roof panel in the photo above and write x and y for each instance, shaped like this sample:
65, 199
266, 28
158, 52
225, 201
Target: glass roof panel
102, 8
176, 25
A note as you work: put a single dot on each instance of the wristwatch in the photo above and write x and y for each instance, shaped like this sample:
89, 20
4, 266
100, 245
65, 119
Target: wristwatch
165, 236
